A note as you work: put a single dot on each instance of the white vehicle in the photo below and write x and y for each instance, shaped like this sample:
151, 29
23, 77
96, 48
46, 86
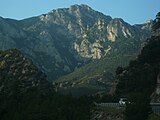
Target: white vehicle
123, 101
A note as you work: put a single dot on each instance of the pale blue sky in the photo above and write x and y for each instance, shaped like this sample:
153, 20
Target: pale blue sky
132, 11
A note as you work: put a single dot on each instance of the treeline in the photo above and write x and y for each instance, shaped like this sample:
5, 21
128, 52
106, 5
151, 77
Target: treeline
34, 105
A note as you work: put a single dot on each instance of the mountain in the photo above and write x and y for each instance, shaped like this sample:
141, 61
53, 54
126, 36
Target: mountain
64, 39
45, 49
77, 39
18, 74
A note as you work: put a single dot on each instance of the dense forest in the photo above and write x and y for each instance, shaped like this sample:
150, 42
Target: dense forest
36, 106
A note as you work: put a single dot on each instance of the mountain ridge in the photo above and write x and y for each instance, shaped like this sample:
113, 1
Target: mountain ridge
62, 40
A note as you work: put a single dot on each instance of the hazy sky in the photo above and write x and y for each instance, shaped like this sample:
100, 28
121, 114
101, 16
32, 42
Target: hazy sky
132, 11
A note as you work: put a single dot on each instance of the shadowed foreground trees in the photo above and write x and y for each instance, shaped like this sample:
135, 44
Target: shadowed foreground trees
36, 106
138, 80
139, 108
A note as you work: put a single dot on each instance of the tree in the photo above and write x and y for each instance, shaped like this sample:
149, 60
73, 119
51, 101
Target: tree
139, 108
119, 70
156, 23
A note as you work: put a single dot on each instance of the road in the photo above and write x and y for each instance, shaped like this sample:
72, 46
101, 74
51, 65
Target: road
155, 106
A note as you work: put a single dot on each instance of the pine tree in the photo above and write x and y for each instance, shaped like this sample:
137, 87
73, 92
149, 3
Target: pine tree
156, 24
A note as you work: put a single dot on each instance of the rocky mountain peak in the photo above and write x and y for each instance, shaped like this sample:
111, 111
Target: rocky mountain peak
81, 6
75, 14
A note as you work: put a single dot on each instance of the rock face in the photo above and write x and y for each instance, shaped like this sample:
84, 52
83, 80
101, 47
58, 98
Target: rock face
62, 39
18, 72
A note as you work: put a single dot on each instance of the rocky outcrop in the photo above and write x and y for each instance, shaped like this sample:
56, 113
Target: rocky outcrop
18, 72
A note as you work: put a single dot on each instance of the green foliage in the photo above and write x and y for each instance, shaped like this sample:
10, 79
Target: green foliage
156, 24
139, 108
153, 117
150, 53
141, 73
105, 98
34, 106
119, 70
138, 80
